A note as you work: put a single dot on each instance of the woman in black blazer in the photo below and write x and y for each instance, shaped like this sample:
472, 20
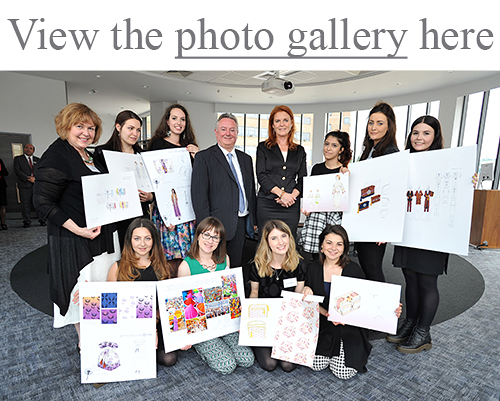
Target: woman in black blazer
281, 166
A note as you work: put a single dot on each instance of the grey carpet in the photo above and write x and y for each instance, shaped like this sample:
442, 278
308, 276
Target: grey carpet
40, 363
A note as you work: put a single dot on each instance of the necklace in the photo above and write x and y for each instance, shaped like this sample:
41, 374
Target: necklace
277, 272
90, 159
211, 268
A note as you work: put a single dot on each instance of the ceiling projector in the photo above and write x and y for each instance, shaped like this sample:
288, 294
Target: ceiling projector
278, 87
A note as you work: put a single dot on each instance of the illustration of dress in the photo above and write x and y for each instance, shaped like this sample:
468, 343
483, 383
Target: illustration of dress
338, 190
409, 196
175, 203
108, 358
427, 196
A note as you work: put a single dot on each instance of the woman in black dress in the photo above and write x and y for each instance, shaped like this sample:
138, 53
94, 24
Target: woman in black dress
380, 140
143, 260
277, 266
126, 133
280, 166
75, 252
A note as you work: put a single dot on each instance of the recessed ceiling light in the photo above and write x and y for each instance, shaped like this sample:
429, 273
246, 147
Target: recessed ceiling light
98, 76
398, 83
145, 86
92, 91
188, 93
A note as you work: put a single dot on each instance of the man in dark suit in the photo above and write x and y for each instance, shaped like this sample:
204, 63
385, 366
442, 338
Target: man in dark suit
223, 186
25, 169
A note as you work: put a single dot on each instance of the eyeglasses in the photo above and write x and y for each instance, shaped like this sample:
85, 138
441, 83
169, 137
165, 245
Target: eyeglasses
206, 236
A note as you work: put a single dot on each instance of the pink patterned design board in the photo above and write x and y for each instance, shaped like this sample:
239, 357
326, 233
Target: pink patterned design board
118, 331
297, 329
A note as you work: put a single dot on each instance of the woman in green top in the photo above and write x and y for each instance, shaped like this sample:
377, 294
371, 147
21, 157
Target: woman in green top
208, 254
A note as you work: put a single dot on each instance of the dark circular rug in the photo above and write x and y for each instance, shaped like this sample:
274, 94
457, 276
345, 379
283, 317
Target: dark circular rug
461, 288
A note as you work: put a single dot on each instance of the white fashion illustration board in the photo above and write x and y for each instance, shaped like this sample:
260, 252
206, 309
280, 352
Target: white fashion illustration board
376, 198
259, 317
326, 193
439, 200
198, 308
118, 162
109, 198
364, 303
170, 173
118, 331
297, 329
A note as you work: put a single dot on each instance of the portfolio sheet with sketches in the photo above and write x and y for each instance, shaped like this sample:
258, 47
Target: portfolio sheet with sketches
118, 331
170, 174
259, 317
364, 303
197, 308
297, 329
439, 200
326, 193
119, 162
376, 198
109, 198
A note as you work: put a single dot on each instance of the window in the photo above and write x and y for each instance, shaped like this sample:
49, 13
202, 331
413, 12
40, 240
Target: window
472, 117
490, 139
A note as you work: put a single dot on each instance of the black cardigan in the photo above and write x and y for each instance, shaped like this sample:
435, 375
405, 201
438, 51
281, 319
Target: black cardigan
356, 345
58, 196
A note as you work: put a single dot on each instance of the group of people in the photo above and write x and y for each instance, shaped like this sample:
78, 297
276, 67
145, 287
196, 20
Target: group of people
227, 209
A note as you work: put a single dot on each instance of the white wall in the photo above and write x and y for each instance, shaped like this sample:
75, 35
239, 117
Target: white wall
29, 104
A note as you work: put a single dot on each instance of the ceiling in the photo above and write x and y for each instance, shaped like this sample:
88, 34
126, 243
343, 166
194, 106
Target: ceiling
107, 92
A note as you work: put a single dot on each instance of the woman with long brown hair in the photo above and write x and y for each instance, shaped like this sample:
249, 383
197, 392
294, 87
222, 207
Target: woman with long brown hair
143, 260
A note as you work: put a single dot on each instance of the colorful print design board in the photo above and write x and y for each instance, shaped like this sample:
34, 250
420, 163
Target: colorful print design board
118, 331
197, 308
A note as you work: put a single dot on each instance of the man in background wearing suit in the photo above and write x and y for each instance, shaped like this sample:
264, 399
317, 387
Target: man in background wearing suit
25, 169
223, 186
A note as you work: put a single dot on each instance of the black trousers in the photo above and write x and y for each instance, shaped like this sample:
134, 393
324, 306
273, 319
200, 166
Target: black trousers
234, 247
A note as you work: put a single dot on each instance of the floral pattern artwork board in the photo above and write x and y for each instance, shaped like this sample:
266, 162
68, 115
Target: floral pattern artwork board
297, 329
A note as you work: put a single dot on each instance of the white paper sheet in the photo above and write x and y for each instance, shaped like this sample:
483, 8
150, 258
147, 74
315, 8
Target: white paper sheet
118, 331
364, 303
439, 200
197, 308
377, 201
109, 198
326, 193
119, 162
170, 174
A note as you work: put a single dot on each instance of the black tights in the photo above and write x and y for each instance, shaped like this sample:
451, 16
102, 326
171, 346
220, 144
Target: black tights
263, 356
166, 358
422, 296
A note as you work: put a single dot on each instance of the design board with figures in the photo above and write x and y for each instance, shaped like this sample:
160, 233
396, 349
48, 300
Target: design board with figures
170, 173
118, 331
439, 200
326, 193
118, 162
197, 308
109, 198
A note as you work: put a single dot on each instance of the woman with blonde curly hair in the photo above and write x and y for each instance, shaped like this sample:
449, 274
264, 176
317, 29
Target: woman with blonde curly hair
277, 266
